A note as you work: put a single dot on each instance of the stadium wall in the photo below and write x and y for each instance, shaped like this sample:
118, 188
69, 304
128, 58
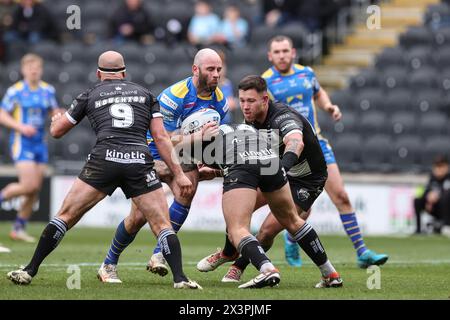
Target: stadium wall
383, 208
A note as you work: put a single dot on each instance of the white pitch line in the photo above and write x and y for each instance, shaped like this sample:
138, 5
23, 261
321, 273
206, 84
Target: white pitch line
191, 263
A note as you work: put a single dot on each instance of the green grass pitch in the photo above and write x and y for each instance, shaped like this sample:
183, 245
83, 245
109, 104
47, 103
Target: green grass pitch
418, 268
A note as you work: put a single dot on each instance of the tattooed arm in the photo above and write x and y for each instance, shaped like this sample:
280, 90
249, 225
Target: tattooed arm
294, 147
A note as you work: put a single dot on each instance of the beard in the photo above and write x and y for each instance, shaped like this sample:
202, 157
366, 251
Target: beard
286, 68
203, 83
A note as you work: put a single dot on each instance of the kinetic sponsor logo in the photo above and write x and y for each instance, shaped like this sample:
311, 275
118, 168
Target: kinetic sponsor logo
125, 157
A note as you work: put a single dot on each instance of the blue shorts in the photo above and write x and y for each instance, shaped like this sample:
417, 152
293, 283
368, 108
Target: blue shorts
154, 151
327, 151
29, 151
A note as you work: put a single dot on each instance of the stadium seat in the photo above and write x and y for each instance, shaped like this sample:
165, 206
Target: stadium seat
403, 122
240, 56
419, 57
434, 145
132, 51
444, 81
95, 31
156, 53
181, 71
97, 11
390, 57
326, 124
343, 98
181, 54
92, 52
394, 78
433, 123
368, 78
416, 36
406, 154
51, 72
372, 122
427, 100
369, 99
14, 51
73, 72
67, 93
423, 78
443, 57
262, 34
397, 100
77, 144
12, 73
157, 88
157, 73
297, 32
259, 57
237, 72
375, 153
179, 10
347, 155
348, 123
442, 36
135, 72
73, 51
48, 50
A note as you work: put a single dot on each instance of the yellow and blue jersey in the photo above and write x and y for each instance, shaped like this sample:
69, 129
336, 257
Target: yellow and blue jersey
295, 88
29, 106
180, 100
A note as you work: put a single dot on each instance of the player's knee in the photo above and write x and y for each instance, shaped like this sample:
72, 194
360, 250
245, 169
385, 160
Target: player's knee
31, 189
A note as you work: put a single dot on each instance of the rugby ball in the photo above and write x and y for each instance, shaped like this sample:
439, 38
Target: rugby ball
195, 121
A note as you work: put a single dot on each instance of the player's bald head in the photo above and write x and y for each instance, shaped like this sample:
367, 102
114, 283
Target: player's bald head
206, 55
111, 60
110, 66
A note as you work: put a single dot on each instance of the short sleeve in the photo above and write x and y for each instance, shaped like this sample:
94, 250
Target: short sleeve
154, 107
286, 123
53, 104
170, 107
314, 82
9, 100
77, 110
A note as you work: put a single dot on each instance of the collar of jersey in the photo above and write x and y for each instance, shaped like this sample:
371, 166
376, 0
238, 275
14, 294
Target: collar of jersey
290, 72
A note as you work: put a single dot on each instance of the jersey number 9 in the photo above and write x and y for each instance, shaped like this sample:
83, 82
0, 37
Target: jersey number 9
122, 114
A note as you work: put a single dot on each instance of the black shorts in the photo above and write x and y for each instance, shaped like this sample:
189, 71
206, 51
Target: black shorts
129, 167
250, 177
307, 189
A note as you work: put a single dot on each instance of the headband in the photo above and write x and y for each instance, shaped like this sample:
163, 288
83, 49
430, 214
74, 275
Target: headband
112, 70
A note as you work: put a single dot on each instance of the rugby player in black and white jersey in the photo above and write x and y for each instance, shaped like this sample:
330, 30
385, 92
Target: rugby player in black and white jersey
303, 160
120, 113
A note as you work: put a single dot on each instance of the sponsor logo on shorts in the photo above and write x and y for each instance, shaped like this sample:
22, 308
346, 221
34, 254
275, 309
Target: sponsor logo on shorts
125, 157
263, 154
151, 179
302, 194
